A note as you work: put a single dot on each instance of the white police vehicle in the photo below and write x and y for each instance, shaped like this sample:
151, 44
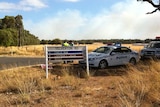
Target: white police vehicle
152, 50
111, 56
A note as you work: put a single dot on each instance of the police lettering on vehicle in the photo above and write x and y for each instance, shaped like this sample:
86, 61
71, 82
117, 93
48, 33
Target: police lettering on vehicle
121, 57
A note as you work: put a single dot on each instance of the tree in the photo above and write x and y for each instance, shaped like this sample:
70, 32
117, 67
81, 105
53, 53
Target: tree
12, 32
56, 41
19, 26
5, 38
154, 4
8, 22
13, 35
43, 41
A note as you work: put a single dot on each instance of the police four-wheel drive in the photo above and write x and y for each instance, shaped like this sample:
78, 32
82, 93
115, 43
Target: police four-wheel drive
152, 50
111, 56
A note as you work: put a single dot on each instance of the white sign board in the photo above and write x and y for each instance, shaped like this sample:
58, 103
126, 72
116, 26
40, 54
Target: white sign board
62, 53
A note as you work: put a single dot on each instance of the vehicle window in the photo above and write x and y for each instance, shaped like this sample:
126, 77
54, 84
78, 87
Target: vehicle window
107, 50
126, 50
99, 50
151, 45
116, 51
121, 50
156, 45
102, 50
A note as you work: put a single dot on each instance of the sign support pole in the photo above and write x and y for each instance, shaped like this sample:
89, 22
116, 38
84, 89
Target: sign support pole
46, 49
87, 63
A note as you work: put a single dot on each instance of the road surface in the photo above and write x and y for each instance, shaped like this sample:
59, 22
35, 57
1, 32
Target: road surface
11, 62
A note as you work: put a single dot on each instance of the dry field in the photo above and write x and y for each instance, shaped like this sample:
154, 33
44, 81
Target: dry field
38, 50
69, 86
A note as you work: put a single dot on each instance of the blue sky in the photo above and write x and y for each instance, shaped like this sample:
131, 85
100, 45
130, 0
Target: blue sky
85, 19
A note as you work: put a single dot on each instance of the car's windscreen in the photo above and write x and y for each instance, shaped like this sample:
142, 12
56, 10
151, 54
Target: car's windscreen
154, 45
103, 50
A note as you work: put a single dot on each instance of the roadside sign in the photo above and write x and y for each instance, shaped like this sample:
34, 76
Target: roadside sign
62, 53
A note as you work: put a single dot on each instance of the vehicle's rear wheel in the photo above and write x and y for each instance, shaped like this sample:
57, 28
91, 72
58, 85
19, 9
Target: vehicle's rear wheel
132, 61
103, 64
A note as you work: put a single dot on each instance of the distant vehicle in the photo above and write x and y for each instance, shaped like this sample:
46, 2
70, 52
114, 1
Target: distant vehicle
152, 50
115, 44
105, 56
158, 38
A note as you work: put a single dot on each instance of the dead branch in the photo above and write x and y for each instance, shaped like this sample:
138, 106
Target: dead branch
157, 6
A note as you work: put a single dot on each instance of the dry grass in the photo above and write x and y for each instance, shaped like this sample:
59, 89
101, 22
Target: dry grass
134, 87
141, 86
38, 50
24, 86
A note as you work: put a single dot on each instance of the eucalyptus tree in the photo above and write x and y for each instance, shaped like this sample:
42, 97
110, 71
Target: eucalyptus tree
5, 38
20, 28
8, 22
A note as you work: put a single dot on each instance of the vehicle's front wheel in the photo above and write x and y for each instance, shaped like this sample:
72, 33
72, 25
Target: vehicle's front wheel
132, 61
103, 64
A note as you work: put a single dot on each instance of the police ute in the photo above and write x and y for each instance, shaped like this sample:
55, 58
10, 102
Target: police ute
111, 55
152, 50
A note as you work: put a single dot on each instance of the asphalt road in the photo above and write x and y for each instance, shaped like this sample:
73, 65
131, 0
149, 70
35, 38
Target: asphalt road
11, 62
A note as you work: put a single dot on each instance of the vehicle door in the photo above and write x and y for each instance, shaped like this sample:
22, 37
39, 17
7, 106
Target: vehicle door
114, 58
120, 56
125, 55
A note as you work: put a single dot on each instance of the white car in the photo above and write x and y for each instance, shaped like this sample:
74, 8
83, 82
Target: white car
111, 56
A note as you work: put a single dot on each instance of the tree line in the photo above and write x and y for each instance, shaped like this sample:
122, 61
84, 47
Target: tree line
91, 41
12, 32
